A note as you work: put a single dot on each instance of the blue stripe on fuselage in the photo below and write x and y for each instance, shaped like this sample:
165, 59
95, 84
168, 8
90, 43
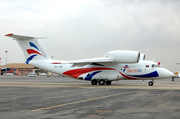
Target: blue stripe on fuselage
89, 76
150, 75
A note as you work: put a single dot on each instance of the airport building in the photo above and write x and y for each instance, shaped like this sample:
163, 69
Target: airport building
20, 68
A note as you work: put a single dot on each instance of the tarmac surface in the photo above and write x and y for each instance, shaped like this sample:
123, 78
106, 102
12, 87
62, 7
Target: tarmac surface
24, 97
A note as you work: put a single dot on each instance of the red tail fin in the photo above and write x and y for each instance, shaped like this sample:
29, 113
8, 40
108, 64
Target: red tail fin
11, 71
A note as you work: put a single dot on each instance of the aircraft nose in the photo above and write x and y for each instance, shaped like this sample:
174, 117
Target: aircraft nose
164, 73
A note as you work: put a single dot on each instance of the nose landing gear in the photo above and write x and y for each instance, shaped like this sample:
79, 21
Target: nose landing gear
151, 83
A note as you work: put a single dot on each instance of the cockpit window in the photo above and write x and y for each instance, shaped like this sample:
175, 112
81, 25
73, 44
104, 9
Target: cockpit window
155, 65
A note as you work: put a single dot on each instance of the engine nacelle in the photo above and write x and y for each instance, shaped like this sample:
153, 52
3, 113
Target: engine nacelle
123, 56
142, 57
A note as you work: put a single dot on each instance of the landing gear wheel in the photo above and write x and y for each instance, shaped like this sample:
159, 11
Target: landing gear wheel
151, 83
94, 82
108, 82
101, 82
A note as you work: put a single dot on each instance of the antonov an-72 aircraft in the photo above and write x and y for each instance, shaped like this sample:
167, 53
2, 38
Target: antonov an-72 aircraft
114, 66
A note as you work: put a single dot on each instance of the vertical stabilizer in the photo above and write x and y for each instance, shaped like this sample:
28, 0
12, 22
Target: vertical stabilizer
30, 47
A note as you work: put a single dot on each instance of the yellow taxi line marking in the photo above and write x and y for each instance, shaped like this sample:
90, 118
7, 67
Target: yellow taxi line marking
81, 101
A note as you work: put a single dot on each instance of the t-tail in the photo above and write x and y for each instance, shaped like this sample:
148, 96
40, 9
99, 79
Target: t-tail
30, 47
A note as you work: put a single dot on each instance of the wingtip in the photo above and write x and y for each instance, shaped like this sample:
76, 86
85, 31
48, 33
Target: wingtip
10, 34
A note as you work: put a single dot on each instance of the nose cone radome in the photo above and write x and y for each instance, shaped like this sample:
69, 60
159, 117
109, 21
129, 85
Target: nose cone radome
164, 73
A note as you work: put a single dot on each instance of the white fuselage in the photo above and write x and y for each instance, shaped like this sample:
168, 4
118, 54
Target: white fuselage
143, 70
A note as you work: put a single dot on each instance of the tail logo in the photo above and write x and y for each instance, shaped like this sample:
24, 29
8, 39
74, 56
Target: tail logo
32, 51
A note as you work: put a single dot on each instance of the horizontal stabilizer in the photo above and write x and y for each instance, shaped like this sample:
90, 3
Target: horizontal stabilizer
22, 37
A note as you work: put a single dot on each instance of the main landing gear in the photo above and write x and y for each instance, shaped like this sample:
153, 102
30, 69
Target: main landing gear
100, 81
94, 82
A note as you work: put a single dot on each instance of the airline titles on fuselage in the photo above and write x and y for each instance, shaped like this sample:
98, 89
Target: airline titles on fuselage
128, 70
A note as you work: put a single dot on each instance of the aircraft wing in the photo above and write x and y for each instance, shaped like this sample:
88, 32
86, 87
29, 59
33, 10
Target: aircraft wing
88, 61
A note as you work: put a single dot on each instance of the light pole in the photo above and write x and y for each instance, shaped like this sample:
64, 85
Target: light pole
6, 62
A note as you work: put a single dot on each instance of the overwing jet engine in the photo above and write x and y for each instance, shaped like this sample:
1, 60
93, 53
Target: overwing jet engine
124, 56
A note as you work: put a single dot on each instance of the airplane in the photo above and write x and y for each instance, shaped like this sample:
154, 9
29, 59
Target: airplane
176, 75
9, 70
114, 66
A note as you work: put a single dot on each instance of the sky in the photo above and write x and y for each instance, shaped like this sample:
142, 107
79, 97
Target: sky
81, 29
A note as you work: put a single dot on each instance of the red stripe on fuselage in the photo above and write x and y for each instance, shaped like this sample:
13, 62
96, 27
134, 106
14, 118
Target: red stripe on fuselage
56, 63
77, 72
31, 51
127, 77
